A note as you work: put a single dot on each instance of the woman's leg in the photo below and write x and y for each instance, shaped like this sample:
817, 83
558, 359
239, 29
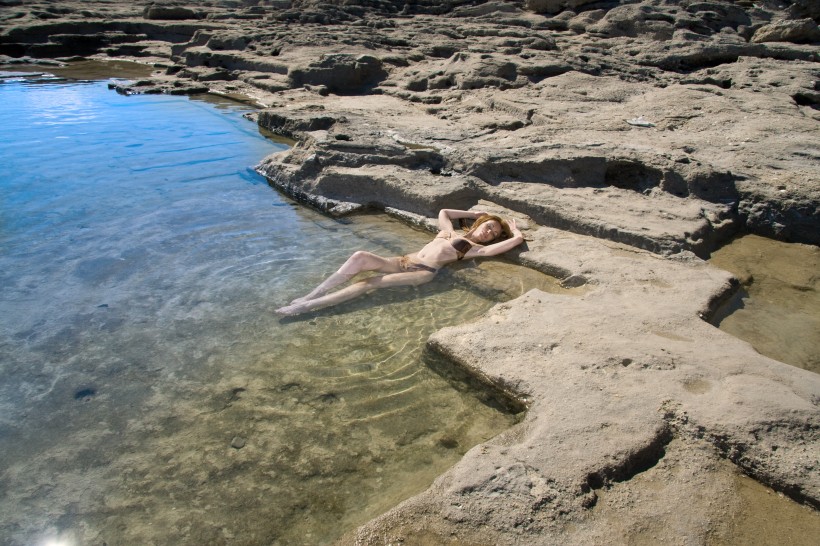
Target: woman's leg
358, 262
357, 289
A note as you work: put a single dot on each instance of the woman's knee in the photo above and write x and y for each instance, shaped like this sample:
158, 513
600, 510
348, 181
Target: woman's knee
365, 257
357, 261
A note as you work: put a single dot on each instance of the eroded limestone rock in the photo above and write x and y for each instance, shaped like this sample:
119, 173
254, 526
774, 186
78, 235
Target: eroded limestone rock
524, 108
802, 30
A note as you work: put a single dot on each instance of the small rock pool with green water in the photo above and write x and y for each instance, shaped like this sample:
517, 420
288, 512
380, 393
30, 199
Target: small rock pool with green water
148, 393
777, 308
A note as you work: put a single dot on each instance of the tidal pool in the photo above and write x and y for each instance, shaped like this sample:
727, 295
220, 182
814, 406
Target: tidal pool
148, 394
777, 309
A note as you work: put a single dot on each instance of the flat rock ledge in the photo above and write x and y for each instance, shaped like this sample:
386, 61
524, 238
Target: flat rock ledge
630, 138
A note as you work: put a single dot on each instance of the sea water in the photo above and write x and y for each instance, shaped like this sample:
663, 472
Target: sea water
148, 393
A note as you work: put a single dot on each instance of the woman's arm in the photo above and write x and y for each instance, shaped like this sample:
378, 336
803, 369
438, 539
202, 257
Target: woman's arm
446, 217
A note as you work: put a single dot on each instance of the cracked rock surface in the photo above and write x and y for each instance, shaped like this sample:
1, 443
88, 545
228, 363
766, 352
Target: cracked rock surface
631, 139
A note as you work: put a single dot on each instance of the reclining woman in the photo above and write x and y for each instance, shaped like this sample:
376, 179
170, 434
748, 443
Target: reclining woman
488, 236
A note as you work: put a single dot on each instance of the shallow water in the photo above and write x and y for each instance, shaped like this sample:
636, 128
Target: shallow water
778, 308
147, 391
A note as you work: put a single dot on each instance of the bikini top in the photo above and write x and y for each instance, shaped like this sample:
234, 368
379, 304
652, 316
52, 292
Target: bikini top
462, 247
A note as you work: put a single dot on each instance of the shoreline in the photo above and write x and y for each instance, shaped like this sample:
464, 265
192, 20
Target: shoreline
625, 172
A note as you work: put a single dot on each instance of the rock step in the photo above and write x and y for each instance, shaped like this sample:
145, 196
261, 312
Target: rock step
658, 222
380, 186
230, 60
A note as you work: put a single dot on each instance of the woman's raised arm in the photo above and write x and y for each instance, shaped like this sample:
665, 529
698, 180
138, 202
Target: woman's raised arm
446, 217
498, 248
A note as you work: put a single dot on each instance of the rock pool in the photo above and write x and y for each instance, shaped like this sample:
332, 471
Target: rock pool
148, 392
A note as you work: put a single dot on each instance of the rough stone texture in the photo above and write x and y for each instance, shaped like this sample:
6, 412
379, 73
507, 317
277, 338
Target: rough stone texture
611, 384
630, 138
803, 30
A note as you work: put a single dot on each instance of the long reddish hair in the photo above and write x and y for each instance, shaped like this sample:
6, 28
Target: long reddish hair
506, 232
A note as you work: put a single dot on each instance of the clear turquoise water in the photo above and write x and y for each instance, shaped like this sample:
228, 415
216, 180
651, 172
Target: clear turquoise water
147, 391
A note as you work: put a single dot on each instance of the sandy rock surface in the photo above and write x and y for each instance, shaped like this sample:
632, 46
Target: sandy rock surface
631, 139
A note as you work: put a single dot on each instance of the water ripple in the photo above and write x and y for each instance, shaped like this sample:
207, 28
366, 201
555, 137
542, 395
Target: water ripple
139, 272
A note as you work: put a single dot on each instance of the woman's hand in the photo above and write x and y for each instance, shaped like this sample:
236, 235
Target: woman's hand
514, 229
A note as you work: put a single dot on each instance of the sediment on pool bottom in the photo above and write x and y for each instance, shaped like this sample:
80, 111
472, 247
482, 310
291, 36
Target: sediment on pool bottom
776, 307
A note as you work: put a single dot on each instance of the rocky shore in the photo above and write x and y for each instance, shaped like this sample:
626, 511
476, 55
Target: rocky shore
631, 138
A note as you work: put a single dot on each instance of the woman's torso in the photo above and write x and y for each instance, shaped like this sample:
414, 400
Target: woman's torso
446, 248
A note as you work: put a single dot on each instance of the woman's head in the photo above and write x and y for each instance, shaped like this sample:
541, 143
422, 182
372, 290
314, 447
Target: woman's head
489, 228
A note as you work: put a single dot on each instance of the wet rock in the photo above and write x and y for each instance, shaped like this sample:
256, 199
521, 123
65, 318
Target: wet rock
85, 394
297, 122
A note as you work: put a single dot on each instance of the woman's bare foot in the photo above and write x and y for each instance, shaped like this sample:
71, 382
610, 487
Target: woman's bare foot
292, 310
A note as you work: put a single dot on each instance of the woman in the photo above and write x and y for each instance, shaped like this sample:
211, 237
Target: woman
488, 236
